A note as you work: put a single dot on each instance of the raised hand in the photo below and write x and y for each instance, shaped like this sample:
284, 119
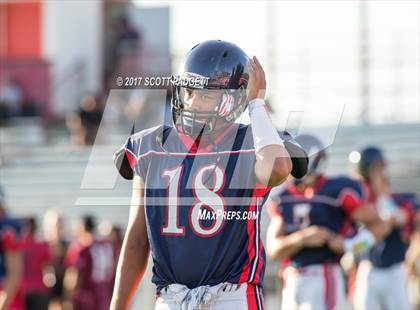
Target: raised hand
256, 83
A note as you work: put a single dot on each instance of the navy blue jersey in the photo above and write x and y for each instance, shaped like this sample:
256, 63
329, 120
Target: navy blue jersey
329, 204
392, 249
202, 206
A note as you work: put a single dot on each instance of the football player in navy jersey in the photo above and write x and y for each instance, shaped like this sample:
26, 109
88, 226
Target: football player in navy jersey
312, 225
199, 186
381, 279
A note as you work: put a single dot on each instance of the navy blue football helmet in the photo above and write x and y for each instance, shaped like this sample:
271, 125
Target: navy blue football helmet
369, 156
316, 152
211, 65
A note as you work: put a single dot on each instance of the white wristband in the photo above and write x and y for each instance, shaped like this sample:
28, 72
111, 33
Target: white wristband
361, 242
386, 207
263, 131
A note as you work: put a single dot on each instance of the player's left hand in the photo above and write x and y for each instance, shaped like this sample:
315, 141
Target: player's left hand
378, 180
256, 83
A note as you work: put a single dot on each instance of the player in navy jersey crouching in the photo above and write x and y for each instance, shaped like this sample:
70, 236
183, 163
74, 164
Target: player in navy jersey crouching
205, 162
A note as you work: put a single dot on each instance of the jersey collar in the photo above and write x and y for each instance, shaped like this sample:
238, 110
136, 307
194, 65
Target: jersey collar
202, 145
309, 191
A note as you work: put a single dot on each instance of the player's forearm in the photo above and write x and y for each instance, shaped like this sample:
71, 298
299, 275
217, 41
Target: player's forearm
273, 165
372, 221
8, 293
14, 267
379, 229
131, 267
285, 246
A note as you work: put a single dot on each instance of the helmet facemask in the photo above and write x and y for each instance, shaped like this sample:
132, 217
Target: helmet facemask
230, 105
317, 164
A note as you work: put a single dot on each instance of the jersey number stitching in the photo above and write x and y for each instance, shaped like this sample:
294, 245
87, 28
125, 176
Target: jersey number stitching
301, 215
208, 198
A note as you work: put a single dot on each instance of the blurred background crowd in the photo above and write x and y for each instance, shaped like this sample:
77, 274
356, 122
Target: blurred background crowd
54, 267
347, 70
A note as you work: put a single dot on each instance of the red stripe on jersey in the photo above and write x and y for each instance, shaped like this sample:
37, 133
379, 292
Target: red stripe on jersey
350, 201
292, 188
189, 142
132, 159
259, 191
194, 154
408, 227
251, 298
326, 286
347, 230
334, 290
251, 248
329, 288
257, 277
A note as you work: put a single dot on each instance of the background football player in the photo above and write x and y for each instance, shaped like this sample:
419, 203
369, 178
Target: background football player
216, 262
90, 269
381, 279
311, 224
